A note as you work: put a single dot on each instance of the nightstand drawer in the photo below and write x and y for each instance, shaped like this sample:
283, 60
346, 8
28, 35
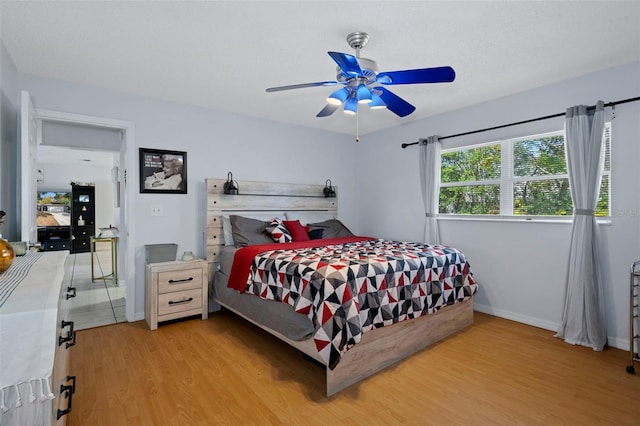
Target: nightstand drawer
171, 281
169, 303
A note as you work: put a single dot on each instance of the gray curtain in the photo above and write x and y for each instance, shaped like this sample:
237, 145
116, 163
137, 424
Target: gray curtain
430, 185
583, 317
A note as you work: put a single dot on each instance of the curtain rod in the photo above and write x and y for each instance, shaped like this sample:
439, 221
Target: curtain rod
624, 101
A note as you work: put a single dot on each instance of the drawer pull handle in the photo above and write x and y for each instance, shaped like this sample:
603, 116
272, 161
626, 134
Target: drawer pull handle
181, 281
71, 335
71, 292
171, 302
68, 391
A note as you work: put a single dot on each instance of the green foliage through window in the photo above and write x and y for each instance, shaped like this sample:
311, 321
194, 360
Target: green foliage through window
48, 197
471, 164
549, 197
477, 199
530, 180
539, 156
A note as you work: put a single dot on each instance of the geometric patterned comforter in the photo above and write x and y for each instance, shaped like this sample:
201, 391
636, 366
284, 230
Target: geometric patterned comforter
347, 289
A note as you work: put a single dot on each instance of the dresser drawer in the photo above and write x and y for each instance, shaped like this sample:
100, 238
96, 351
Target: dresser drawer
52, 245
171, 281
80, 245
169, 303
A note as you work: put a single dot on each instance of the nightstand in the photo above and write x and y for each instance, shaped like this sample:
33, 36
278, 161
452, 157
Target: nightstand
175, 290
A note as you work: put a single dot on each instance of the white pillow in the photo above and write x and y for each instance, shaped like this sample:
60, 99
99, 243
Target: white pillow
306, 217
260, 215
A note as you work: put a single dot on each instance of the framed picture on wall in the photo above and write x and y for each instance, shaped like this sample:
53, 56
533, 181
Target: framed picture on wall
163, 172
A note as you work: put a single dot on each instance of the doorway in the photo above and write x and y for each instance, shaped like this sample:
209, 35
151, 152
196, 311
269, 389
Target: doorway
99, 296
123, 195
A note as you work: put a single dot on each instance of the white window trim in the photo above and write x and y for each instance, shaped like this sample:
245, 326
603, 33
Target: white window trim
507, 180
601, 220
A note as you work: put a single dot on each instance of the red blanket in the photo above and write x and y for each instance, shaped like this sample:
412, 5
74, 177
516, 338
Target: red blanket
244, 257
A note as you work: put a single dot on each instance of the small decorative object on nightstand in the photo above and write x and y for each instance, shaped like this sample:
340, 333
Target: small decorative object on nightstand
175, 290
188, 256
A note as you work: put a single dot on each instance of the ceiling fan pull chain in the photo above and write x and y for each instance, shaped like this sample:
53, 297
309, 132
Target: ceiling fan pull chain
357, 127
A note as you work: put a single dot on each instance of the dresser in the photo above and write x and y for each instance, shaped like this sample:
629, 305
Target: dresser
175, 290
35, 340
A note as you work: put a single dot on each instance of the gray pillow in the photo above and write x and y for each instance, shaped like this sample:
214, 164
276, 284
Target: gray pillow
248, 232
332, 228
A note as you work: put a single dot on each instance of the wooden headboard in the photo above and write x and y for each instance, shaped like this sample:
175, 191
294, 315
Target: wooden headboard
258, 196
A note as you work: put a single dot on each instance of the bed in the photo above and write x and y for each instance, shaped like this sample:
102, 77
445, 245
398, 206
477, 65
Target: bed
355, 345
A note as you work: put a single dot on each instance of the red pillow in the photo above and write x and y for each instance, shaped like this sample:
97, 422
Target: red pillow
298, 232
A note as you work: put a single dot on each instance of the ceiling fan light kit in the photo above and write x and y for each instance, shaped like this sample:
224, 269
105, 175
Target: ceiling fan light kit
351, 106
376, 102
338, 97
363, 94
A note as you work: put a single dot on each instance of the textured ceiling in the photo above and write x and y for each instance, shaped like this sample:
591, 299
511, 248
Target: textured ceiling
222, 55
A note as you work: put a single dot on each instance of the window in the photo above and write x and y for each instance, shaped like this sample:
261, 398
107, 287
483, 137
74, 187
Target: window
519, 177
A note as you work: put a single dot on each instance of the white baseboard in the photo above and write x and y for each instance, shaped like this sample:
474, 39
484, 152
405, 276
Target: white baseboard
537, 322
618, 343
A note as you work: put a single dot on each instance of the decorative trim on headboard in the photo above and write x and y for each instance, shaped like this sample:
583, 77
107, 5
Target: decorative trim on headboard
258, 196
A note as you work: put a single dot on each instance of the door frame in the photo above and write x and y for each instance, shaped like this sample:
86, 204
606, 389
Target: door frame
127, 216
28, 158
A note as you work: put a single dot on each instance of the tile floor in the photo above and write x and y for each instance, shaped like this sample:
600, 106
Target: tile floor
97, 303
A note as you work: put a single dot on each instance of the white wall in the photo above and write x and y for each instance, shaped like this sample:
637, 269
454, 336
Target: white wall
216, 143
521, 266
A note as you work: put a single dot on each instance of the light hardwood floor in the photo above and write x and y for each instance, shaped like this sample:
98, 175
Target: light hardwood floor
224, 371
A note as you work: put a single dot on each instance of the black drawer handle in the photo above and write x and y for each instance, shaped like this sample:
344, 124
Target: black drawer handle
181, 281
71, 292
71, 335
68, 391
171, 302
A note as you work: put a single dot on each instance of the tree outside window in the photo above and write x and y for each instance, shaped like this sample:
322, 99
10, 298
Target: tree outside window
520, 177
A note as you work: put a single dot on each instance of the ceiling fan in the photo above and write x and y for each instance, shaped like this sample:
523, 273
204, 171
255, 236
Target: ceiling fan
362, 83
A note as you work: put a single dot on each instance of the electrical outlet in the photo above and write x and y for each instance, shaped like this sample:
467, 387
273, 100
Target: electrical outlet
156, 210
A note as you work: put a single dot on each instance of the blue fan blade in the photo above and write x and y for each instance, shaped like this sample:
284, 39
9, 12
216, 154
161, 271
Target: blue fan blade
347, 63
396, 104
422, 75
328, 110
301, 86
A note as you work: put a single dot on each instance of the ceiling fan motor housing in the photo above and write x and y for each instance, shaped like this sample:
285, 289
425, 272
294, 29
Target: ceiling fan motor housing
369, 69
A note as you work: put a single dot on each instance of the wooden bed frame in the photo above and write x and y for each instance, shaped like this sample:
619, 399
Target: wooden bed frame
378, 348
